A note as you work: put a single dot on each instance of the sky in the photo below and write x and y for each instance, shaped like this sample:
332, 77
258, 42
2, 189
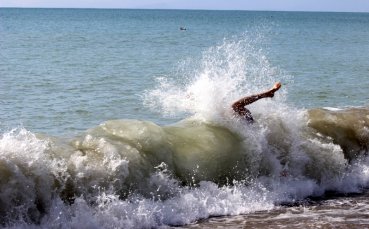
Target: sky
274, 5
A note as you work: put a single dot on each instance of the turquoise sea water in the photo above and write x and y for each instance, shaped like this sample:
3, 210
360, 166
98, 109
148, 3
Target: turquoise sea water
119, 119
64, 70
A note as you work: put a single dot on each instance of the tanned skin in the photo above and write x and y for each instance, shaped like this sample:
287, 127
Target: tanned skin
239, 105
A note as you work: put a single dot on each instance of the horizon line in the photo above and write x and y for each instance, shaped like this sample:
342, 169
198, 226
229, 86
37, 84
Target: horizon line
199, 9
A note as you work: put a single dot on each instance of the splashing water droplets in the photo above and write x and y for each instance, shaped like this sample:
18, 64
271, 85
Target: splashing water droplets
224, 73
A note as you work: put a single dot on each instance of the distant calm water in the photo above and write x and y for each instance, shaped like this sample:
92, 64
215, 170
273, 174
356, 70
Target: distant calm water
64, 70
119, 119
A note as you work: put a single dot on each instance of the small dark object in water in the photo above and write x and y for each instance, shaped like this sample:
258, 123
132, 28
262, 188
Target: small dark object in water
182, 28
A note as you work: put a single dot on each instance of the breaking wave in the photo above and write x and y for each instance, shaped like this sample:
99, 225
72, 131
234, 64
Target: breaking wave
137, 174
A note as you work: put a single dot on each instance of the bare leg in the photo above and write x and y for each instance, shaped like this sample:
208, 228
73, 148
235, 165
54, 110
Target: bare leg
239, 105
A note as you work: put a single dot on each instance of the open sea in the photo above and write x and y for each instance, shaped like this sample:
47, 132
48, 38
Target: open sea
113, 118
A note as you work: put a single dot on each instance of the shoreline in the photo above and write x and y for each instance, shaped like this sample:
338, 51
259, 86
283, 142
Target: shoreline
311, 214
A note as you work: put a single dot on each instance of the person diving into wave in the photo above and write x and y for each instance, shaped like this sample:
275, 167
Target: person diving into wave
239, 105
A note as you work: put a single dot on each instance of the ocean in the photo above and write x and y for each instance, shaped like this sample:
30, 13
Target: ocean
117, 118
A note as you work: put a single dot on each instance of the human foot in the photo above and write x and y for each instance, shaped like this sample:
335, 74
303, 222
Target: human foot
275, 88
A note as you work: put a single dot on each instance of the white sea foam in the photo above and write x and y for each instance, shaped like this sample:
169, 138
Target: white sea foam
34, 169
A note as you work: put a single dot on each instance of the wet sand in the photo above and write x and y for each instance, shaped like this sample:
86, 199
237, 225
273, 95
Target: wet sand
337, 211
